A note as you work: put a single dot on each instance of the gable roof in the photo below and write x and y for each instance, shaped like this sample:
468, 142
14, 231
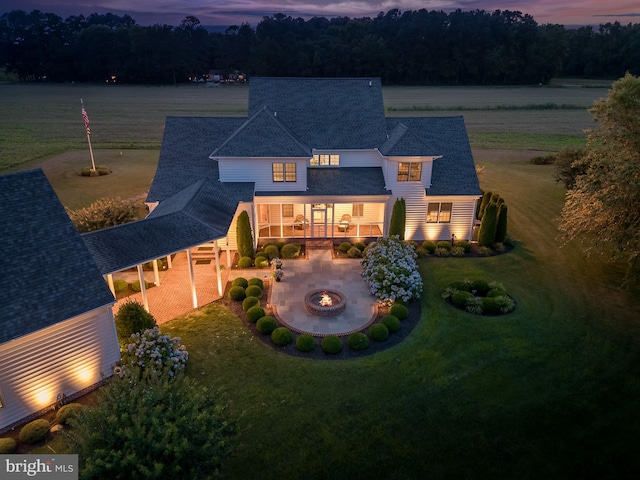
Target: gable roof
49, 275
402, 142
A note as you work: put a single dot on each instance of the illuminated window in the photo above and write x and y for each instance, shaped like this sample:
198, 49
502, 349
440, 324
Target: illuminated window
287, 210
283, 172
439, 212
277, 172
409, 171
289, 172
325, 160
357, 210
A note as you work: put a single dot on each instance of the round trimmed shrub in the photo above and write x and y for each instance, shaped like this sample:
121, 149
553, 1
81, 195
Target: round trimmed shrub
281, 336
358, 341
354, 252
466, 246
34, 432
444, 244
331, 344
255, 313
256, 281
399, 311
481, 287
67, 411
120, 285
429, 246
8, 445
344, 247
379, 332
237, 293
245, 262
305, 343
442, 252
240, 282
457, 251
253, 291
460, 298
135, 286
496, 292
414, 244
271, 251
392, 323
262, 262
266, 324
249, 302
280, 245
360, 246
132, 318
490, 305
149, 265
290, 250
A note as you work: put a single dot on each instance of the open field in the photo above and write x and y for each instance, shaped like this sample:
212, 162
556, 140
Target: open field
39, 121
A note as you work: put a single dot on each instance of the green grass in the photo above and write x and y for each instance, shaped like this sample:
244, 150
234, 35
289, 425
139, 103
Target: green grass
548, 391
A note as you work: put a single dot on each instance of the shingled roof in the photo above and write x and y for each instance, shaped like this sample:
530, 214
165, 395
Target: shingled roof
49, 275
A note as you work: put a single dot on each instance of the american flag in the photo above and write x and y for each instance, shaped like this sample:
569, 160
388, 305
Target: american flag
85, 117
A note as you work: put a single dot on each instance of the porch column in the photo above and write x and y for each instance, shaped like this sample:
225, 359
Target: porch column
169, 261
358, 225
304, 223
218, 273
110, 283
156, 275
143, 287
192, 279
281, 221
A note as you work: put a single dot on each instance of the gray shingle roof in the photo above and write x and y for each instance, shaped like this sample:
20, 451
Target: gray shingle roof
49, 276
403, 142
200, 213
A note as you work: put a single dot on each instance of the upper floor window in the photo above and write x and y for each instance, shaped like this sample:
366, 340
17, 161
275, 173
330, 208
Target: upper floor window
325, 160
439, 212
409, 171
283, 172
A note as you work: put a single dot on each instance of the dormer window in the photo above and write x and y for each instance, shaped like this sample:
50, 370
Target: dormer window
325, 160
409, 171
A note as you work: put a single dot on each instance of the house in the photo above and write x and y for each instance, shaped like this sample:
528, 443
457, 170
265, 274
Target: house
57, 332
323, 161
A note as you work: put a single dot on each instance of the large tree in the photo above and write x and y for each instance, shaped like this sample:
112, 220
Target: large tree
603, 209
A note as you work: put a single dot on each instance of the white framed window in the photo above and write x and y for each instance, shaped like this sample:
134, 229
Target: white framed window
409, 171
283, 172
325, 160
439, 212
287, 210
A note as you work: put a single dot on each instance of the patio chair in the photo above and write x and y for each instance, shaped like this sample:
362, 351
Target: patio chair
345, 222
300, 222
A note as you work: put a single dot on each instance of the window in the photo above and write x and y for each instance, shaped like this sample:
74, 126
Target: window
439, 212
287, 210
357, 210
409, 171
325, 160
283, 172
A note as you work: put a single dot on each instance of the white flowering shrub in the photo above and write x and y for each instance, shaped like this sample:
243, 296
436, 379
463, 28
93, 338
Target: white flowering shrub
151, 351
391, 271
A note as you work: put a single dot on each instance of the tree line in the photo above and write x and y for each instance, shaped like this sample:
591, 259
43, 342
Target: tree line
421, 47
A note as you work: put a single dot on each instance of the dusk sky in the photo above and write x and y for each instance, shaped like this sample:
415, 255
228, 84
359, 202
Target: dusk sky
219, 12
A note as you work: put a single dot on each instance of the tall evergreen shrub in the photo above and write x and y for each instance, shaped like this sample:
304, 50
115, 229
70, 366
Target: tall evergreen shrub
398, 218
501, 227
244, 236
483, 204
487, 234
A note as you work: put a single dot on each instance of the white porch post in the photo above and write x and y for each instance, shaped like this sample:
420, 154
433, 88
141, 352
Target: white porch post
358, 224
192, 279
169, 261
110, 283
218, 273
156, 274
282, 222
304, 223
143, 287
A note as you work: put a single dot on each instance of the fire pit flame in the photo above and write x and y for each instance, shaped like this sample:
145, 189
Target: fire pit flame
325, 300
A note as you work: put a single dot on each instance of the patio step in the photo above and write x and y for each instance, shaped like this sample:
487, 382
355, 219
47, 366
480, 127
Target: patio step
206, 251
320, 243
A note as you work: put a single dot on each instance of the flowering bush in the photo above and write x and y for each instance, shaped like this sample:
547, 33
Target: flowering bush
391, 271
156, 352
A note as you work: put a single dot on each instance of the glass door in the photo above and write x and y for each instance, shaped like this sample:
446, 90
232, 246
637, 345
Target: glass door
319, 220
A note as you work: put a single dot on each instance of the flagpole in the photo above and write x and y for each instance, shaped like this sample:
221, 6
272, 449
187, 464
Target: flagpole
86, 124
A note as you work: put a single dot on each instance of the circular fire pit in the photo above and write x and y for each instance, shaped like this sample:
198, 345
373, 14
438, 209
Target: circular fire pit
325, 303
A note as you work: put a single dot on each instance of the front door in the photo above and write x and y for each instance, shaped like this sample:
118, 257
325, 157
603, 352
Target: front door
319, 220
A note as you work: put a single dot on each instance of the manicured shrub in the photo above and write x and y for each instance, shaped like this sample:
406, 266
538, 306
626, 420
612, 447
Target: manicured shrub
271, 251
34, 432
401, 312
135, 286
149, 265
253, 291
255, 313
305, 343
237, 293
281, 336
8, 445
490, 305
249, 302
266, 324
255, 281
344, 247
444, 244
379, 332
442, 252
506, 303
331, 344
429, 246
422, 253
501, 227
392, 323
67, 411
495, 292
280, 245
464, 286
240, 282
120, 285
414, 244
466, 246
487, 232
474, 305
354, 252
481, 287
262, 262
244, 236
358, 341
132, 318
360, 246
398, 220
290, 250
460, 298
498, 247
485, 251
245, 262
103, 213
457, 251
